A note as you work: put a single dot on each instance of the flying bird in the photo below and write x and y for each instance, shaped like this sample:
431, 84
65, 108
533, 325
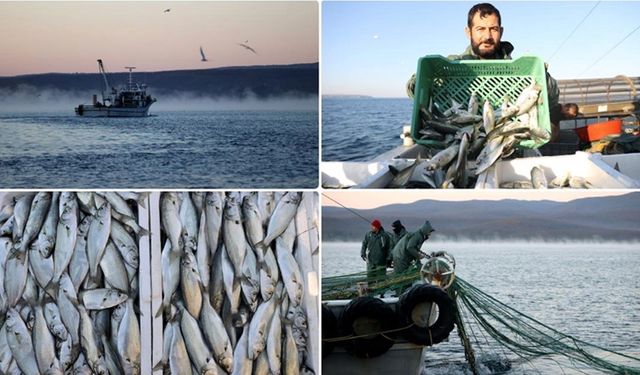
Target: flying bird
202, 54
167, 10
247, 47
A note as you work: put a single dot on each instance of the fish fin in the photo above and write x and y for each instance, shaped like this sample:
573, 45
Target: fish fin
142, 199
394, 171
161, 309
160, 366
143, 232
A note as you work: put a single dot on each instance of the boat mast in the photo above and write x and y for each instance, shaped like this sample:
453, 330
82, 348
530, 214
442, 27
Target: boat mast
130, 78
104, 77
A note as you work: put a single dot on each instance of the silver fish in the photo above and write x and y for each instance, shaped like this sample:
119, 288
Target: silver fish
266, 205
538, 178
213, 212
269, 276
6, 357
54, 322
488, 117
253, 225
489, 154
21, 214
232, 286
170, 275
97, 237
113, 268
67, 301
443, 158
99, 299
473, 104
198, 198
258, 328
189, 222
15, 274
129, 340
190, 283
216, 286
577, 182
79, 263
290, 353
43, 343
203, 255
47, 236
41, 268
86, 202
125, 243
119, 204
261, 364
179, 361
250, 281
282, 216
233, 236
20, 343
139, 198
130, 223
169, 211
111, 358
37, 214
402, 176
196, 347
520, 184
66, 236
7, 211
242, 364
89, 343
291, 275
67, 353
528, 97
216, 335
7, 227
116, 318
274, 342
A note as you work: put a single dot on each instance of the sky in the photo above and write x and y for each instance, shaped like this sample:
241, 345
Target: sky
372, 47
366, 199
67, 37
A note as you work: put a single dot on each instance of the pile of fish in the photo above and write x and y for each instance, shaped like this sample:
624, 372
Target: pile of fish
235, 274
69, 271
473, 142
539, 181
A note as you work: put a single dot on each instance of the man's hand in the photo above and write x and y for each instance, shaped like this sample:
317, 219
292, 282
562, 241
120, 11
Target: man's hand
422, 254
364, 257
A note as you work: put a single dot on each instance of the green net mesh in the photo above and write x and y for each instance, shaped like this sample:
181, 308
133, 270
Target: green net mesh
483, 321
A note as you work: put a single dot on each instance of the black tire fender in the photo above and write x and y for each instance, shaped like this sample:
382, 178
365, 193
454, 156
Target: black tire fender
329, 330
418, 332
361, 316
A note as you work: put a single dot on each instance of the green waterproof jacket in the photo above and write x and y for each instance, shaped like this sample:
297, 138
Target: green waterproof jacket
395, 238
407, 249
376, 247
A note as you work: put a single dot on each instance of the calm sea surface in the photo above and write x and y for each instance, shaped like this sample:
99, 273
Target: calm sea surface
358, 129
588, 290
205, 149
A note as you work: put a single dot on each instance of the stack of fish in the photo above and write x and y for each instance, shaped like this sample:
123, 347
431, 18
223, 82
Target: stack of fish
69, 271
473, 142
235, 276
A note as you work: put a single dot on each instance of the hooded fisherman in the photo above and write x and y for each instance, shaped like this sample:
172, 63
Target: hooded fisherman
376, 249
398, 232
407, 250
484, 30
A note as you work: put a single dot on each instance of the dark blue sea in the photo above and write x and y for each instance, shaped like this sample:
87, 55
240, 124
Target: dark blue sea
358, 129
171, 149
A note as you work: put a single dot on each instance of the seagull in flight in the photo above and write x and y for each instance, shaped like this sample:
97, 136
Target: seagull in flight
202, 54
167, 10
247, 47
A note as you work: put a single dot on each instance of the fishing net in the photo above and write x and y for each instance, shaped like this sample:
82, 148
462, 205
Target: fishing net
492, 332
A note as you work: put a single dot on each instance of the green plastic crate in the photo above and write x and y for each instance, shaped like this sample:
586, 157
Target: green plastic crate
443, 80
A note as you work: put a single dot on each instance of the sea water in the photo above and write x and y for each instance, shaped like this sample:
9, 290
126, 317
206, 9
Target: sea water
358, 129
172, 149
588, 290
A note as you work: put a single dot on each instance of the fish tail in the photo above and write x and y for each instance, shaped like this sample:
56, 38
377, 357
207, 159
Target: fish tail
160, 365
142, 199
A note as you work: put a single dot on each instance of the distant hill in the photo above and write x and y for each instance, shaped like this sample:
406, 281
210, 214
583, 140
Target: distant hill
610, 218
234, 82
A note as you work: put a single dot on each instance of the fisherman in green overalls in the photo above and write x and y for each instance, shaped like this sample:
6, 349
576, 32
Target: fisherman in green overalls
376, 247
407, 250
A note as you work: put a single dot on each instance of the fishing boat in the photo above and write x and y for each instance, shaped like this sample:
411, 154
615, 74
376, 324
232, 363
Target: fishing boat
130, 100
366, 329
